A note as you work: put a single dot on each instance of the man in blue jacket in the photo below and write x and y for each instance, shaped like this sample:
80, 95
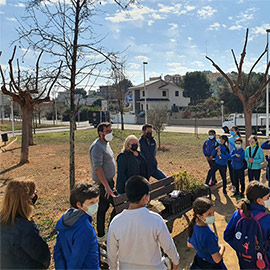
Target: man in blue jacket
76, 244
148, 148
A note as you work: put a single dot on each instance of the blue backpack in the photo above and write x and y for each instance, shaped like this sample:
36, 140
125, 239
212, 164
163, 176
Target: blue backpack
248, 242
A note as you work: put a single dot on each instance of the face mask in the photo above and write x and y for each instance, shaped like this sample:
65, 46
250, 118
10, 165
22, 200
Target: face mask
209, 220
267, 203
211, 137
34, 199
238, 146
92, 209
232, 132
134, 147
218, 140
149, 135
108, 137
252, 145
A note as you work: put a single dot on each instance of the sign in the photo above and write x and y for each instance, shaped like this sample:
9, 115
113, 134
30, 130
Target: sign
104, 105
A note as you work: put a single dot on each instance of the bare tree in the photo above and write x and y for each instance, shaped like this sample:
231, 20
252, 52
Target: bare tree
157, 117
26, 92
241, 89
66, 31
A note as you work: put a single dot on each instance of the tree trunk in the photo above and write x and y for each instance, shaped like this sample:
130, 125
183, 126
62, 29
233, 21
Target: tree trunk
159, 144
31, 140
122, 120
248, 123
26, 124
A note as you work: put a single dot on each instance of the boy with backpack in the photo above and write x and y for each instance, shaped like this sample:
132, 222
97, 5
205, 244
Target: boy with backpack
209, 145
238, 166
254, 157
248, 231
76, 244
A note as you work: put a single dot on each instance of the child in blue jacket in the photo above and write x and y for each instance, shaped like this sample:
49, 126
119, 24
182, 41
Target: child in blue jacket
208, 146
254, 157
222, 155
266, 145
202, 238
238, 159
76, 244
258, 199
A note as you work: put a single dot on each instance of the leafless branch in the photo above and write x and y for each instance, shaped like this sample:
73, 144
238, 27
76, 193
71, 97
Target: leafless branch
37, 69
235, 61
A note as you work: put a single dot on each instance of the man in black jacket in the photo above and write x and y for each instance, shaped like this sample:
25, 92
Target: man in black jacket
148, 148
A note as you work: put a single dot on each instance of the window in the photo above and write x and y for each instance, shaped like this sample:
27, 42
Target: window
143, 94
141, 107
177, 93
164, 93
147, 107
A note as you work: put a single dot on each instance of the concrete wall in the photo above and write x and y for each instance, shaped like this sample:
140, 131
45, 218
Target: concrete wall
190, 122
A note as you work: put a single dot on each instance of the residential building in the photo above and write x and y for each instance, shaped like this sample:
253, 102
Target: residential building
157, 93
176, 78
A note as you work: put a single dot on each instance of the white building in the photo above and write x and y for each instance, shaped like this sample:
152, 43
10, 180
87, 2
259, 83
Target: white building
157, 93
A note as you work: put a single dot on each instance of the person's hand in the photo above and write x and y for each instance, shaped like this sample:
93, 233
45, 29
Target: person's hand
109, 192
218, 153
175, 267
237, 155
217, 148
250, 160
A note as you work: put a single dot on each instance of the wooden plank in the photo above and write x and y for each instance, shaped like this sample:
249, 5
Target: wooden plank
162, 191
120, 199
160, 183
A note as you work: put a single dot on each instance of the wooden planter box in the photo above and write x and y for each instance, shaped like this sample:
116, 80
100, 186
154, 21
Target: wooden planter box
175, 205
201, 193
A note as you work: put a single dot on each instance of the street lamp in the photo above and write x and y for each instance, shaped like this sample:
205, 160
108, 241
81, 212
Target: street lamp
145, 114
267, 87
222, 113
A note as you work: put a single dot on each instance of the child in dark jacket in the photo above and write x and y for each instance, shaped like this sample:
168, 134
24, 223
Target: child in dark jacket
238, 166
258, 199
76, 245
208, 146
266, 145
222, 155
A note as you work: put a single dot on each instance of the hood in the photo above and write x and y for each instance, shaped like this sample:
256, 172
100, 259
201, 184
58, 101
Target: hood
70, 218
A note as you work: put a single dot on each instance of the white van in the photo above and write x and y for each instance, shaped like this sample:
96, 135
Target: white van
237, 119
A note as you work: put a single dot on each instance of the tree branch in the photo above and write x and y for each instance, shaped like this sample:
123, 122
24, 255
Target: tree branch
37, 69
235, 61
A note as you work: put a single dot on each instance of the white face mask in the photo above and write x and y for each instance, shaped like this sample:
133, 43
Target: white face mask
209, 220
92, 209
267, 203
108, 137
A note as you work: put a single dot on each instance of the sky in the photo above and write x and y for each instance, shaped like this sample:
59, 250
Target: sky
173, 37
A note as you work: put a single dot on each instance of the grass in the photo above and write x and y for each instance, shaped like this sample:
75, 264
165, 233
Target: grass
6, 125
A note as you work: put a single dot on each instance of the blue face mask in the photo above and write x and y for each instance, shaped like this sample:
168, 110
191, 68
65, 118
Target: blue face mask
218, 140
209, 220
211, 137
92, 209
232, 132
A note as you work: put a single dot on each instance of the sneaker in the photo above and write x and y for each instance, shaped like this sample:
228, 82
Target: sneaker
242, 195
235, 195
102, 239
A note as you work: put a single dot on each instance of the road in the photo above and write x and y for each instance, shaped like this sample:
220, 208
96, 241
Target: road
85, 125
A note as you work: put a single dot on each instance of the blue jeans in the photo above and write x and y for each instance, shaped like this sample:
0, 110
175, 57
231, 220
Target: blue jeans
158, 174
222, 170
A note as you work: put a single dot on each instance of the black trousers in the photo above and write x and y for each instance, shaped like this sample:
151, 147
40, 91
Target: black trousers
239, 177
211, 164
231, 172
103, 206
222, 170
254, 175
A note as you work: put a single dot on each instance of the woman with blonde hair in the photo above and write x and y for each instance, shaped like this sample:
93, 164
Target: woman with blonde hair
21, 245
130, 162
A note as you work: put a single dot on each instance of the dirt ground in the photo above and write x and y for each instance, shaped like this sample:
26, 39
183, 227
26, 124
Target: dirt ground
48, 167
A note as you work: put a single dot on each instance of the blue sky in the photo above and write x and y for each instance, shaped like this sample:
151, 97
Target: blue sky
172, 36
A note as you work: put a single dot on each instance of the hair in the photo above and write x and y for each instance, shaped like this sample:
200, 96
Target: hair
212, 131
82, 192
136, 187
236, 130
255, 138
255, 190
238, 140
200, 206
127, 140
225, 138
101, 126
17, 201
146, 126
